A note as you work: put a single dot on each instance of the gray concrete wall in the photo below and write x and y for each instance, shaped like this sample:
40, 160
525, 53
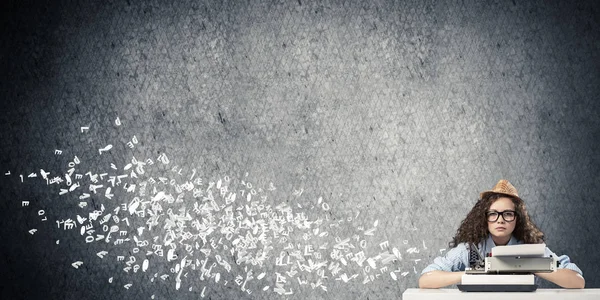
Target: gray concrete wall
377, 121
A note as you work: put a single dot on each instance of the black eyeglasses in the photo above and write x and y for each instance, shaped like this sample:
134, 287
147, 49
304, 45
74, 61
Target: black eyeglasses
507, 215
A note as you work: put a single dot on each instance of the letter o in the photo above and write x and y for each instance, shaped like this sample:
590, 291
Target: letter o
363, 244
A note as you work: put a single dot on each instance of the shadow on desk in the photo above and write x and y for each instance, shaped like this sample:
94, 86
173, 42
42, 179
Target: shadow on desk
540, 294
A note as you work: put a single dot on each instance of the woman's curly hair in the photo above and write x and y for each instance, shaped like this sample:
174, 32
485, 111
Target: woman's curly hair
474, 228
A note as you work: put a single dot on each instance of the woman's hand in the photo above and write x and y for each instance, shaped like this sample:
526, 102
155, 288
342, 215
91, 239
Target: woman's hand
564, 278
438, 279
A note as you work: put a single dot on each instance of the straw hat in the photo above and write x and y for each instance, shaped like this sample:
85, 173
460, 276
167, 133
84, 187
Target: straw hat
502, 187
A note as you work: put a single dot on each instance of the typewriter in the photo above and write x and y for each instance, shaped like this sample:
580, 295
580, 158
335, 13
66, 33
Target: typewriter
506, 269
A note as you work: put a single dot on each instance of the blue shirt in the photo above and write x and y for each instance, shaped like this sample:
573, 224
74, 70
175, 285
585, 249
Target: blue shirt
457, 258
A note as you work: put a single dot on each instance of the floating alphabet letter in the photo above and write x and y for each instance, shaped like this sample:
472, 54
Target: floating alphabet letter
105, 149
101, 254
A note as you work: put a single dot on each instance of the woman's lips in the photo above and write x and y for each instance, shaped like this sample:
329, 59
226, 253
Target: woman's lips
500, 228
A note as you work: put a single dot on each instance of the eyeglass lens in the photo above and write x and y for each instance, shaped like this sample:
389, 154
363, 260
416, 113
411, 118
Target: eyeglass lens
507, 215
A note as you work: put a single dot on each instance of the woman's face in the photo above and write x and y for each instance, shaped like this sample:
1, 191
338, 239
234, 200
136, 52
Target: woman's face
502, 218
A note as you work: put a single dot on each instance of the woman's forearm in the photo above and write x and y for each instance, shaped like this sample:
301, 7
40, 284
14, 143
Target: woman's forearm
438, 279
564, 278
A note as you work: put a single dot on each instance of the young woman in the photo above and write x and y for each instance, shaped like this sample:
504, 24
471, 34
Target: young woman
498, 218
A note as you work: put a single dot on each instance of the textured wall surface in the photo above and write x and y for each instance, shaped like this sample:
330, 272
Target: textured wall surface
354, 135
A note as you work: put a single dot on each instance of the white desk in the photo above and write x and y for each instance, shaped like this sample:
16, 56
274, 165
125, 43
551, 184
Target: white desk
540, 294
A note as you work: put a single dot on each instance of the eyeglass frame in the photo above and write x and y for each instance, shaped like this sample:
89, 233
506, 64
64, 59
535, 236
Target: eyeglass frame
500, 213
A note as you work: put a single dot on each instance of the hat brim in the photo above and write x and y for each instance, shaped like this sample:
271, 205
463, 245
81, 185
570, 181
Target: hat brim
487, 193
